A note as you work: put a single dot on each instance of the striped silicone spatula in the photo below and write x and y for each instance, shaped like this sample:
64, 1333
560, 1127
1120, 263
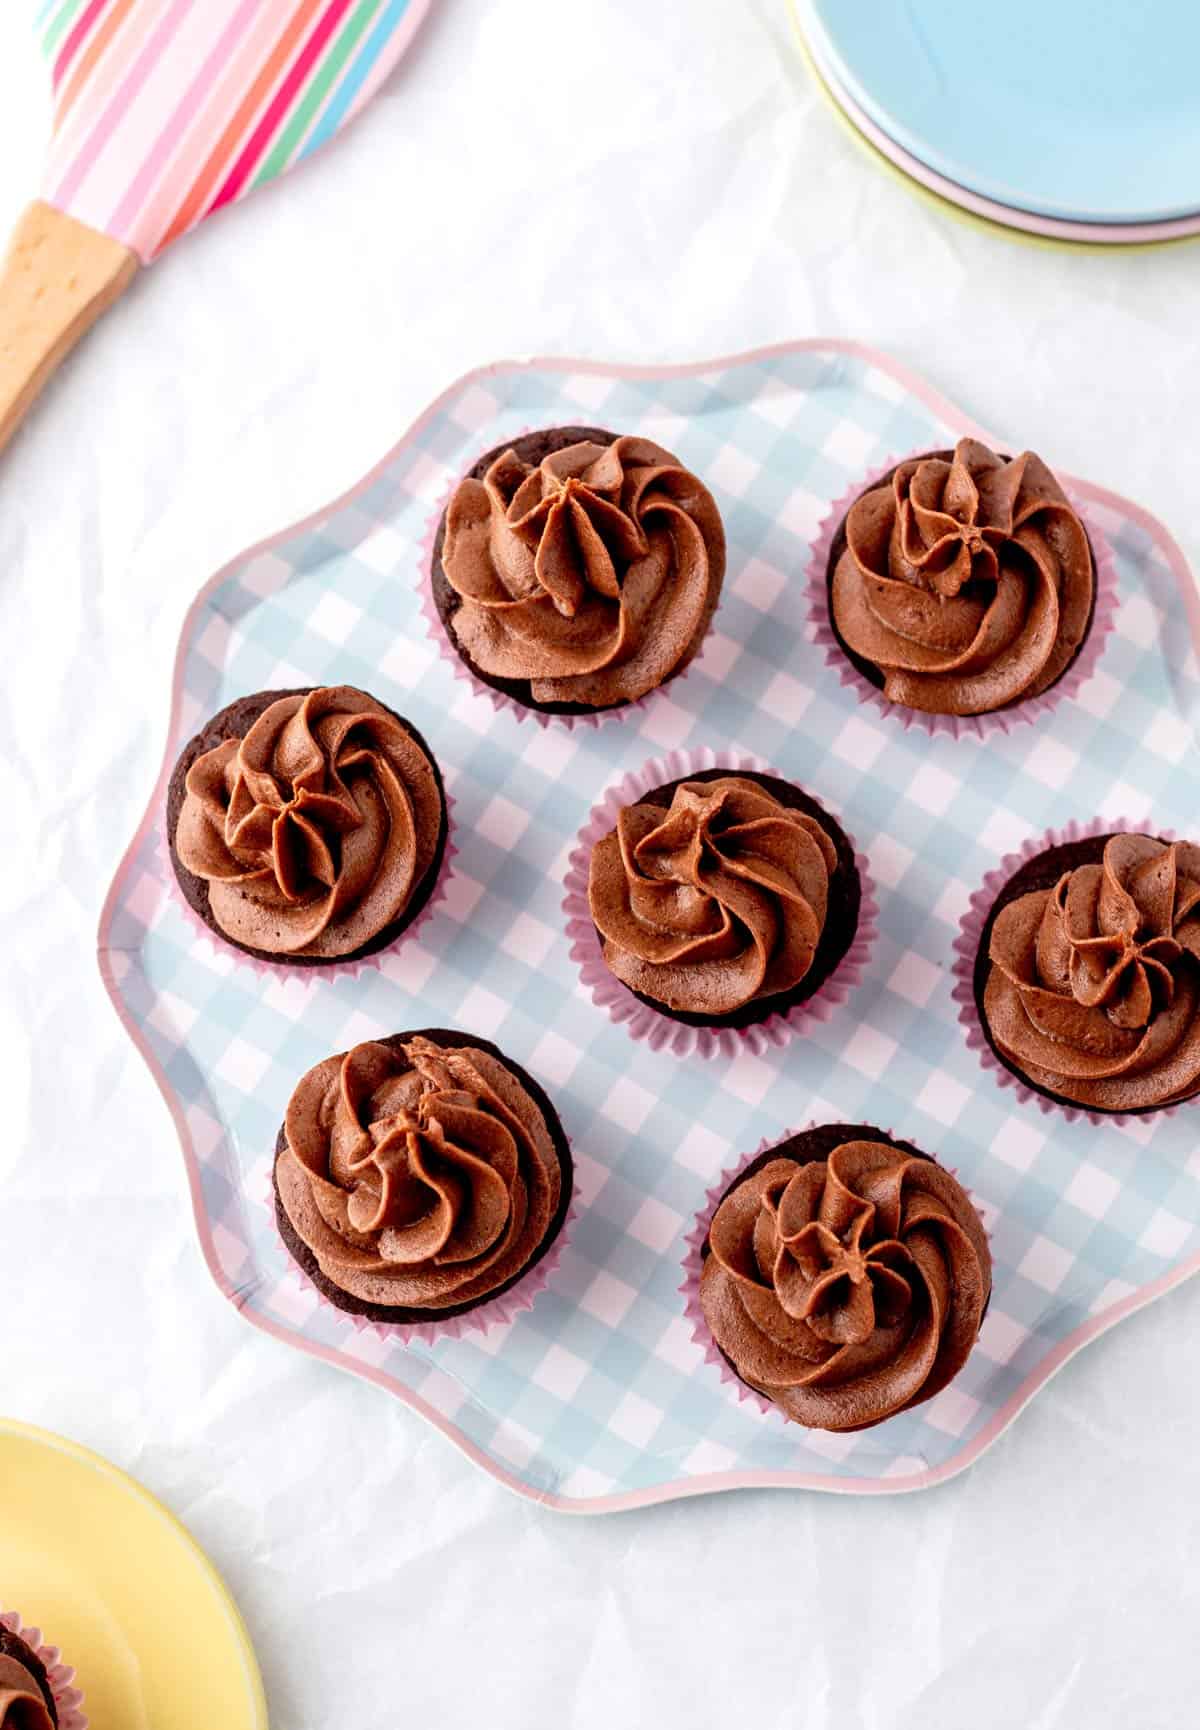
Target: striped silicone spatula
164, 111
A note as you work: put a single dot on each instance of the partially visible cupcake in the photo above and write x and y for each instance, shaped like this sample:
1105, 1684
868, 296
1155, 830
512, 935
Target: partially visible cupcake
307, 828
37, 1690
420, 1176
1087, 973
575, 570
844, 1277
962, 583
723, 898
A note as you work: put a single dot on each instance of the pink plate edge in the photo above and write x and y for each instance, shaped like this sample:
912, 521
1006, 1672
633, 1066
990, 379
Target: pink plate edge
710, 1482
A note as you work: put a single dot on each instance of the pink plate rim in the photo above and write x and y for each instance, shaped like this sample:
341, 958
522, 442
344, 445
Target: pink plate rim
710, 1482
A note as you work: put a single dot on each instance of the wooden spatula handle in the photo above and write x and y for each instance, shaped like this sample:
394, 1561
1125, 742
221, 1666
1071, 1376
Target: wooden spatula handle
58, 277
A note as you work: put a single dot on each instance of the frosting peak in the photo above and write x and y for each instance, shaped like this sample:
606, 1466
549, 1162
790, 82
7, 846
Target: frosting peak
315, 829
1094, 987
592, 574
420, 1176
568, 513
847, 1288
967, 583
714, 902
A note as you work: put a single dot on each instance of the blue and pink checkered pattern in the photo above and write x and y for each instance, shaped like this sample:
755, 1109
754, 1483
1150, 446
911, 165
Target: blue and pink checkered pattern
599, 1396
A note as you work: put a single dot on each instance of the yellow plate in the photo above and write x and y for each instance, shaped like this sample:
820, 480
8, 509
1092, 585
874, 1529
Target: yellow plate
115, 1581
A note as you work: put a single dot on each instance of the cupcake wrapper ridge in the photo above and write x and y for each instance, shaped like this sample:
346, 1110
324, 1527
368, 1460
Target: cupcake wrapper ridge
497, 1312
68, 1699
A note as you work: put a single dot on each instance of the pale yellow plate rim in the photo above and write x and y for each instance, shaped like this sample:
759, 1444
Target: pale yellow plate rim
79, 1455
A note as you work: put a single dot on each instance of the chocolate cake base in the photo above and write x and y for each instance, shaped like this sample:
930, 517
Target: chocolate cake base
1043, 872
235, 721
300, 1253
532, 448
841, 917
12, 1646
873, 674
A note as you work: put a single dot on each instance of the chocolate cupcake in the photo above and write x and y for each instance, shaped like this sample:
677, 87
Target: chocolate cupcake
38, 1690
26, 1699
962, 583
420, 1176
575, 570
843, 1277
307, 828
723, 898
1086, 976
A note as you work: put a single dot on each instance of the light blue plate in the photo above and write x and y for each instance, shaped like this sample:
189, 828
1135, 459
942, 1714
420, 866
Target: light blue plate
1081, 109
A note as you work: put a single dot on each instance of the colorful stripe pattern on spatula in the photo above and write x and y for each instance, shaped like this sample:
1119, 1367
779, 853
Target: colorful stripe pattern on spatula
165, 110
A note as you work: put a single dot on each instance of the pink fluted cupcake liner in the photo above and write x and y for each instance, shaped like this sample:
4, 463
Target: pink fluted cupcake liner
693, 1267
68, 1699
966, 948
500, 700
999, 721
619, 1003
348, 969
497, 1312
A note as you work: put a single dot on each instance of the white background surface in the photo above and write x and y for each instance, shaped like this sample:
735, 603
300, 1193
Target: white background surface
628, 182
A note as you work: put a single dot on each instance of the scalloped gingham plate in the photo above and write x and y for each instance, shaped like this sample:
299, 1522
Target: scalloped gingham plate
598, 1398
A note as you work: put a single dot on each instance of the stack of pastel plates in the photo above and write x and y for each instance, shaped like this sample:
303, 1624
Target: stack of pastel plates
1073, 119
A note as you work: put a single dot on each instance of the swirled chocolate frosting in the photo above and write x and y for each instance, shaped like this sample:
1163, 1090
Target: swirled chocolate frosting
715, 902
967, 584
22, 1705
847, 1288
313, 831
592, 575
419, 1176
1094, 988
